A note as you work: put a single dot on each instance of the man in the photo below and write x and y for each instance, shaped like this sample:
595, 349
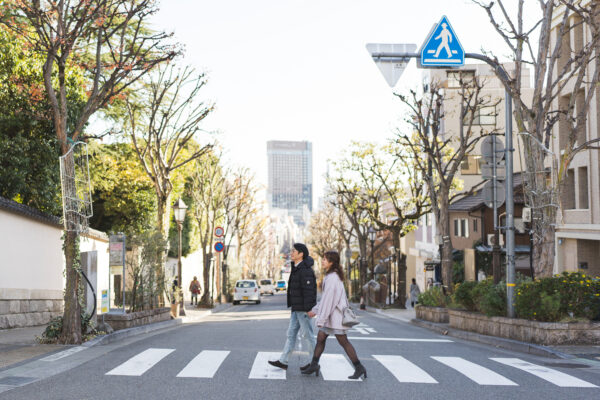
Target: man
301, 297
195, 289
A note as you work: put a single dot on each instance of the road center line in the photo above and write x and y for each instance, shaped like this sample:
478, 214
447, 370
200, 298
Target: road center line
387, 339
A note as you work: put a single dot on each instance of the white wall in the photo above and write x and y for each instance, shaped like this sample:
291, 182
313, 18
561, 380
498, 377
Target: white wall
31, 258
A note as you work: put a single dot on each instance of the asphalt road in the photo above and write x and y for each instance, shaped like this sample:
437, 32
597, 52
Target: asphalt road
224, 357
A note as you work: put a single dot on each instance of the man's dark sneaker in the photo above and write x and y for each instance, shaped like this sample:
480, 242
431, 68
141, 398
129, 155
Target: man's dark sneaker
278, 364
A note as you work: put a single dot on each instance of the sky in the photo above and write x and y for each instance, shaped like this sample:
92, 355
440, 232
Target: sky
299, 69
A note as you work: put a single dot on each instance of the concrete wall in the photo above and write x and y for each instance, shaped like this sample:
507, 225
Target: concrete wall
32, 264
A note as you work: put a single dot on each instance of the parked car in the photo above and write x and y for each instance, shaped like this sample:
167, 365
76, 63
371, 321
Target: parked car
281, 286
266, 286
246, 290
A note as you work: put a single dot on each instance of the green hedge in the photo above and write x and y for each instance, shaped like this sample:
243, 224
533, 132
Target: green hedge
568, 295
561, 297
434, 297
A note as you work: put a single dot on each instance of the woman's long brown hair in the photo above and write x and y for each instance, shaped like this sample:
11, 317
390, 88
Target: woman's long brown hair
334, 258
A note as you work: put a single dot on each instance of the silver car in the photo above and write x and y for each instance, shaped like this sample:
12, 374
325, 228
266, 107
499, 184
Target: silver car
246, 290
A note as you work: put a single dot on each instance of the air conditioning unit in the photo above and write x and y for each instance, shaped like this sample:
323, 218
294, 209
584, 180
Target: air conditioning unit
490, 239
526, 214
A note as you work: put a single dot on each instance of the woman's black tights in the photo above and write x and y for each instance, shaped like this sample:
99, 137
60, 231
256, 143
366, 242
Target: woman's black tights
342, 340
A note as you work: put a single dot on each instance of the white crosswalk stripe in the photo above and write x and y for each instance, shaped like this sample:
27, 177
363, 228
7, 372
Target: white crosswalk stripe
261, 369
475, 372
141, 363
404, 370
204, 365
335, 367
551, 375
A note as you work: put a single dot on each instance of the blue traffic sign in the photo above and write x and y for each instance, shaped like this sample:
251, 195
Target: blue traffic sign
219, 247
442, 48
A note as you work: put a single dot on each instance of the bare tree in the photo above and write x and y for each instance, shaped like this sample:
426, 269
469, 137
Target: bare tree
565, 78
207, 189
110, 42
389, 189
163, 119
324, 231
437, 155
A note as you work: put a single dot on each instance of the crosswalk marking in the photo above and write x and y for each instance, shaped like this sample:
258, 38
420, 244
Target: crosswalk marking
551, 375
204, 365
261, 369
141, 363
404, 370
335, 367
475, 372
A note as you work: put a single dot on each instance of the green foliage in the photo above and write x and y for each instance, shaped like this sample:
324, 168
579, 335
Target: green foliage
434, 297
54, 329
493, 300
463, 295
29, 149
569, 295
458, 271
124, 198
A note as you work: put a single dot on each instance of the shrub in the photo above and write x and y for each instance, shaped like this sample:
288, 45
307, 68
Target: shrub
493, 300
569, 295
463, 295
54, 328
434, 297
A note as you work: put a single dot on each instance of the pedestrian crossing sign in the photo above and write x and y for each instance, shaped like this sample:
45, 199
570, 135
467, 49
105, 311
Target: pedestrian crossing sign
442, 48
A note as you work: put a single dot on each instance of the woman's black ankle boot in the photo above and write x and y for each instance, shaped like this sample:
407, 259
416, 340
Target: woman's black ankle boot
359, 370
313, 367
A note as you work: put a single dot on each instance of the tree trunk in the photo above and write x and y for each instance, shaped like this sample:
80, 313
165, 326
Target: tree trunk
444, 230
71, 329
401, 279
362, 270
543, 253
206, 277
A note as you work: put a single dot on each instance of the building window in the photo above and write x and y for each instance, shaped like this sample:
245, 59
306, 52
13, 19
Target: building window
474, 224
583, 187
483, 116
461, 227
470, 165
455, 78
568, 193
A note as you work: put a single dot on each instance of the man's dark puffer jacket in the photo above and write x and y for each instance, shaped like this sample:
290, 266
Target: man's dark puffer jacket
302, 286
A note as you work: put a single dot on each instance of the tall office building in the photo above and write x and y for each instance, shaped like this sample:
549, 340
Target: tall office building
290, 177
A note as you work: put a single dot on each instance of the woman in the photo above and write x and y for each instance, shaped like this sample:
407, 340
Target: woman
414, 293
329, 312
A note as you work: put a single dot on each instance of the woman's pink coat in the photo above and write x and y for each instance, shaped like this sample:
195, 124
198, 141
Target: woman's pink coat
333, 301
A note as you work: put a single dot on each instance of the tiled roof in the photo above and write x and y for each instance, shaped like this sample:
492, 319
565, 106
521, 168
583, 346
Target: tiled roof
26, 211
475, 201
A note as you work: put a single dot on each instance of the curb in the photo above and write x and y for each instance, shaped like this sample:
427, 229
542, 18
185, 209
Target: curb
125, 333
503, 343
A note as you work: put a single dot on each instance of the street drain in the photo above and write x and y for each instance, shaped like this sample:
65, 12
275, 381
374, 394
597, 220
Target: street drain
566, 365
16, 380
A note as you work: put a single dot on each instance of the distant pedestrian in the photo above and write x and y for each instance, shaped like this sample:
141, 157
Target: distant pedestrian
301, 297
330, 315
195, 289
414, 293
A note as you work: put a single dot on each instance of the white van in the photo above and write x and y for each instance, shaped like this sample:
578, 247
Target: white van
266, 286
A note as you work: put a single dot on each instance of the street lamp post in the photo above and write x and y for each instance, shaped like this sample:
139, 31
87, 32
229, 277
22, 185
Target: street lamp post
372, 234
179, 209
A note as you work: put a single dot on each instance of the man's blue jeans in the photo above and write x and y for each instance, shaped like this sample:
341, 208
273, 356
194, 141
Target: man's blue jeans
299, 322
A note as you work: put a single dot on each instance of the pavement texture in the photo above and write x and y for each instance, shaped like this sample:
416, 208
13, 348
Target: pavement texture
224, 355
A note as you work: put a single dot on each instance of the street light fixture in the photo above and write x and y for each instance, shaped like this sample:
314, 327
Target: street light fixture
179, 209
372, 234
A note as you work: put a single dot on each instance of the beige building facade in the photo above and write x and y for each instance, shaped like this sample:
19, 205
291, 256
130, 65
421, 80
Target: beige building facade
577, 240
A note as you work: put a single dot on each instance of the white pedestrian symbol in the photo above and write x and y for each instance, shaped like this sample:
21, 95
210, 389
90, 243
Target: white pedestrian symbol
446, 38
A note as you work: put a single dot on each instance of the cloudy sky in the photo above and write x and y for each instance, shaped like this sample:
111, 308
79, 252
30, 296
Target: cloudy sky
299, 70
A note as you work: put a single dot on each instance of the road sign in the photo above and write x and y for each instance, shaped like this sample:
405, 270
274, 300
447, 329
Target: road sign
487, 149
442, 48
488, 194
219, 247
391, 68
487, 172
219, 231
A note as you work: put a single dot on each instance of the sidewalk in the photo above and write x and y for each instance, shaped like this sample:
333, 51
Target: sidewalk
19, 344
